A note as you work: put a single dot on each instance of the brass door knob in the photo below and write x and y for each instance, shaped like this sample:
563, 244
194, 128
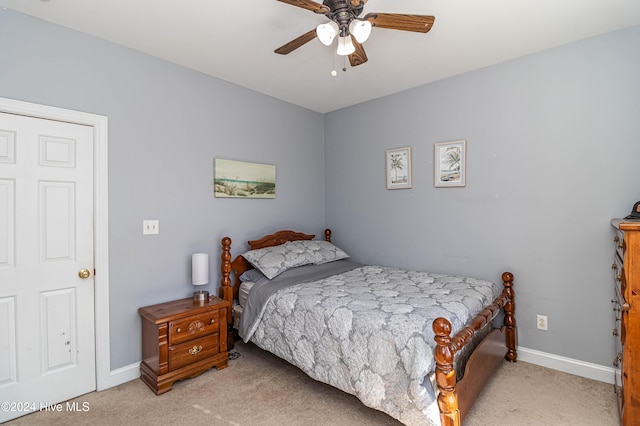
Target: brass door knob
84, 273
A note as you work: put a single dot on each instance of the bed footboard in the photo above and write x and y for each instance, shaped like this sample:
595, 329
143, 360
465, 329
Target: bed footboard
452, 411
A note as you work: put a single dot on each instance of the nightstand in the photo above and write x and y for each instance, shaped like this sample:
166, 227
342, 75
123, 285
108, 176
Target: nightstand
182, 339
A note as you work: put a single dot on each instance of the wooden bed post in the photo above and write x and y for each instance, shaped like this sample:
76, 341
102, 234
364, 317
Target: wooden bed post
226, 291
452, 410
327, 235
509, 317
445, 374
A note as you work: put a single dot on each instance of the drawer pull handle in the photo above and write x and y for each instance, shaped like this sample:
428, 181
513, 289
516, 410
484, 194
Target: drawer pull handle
212, 321
179, 330
195, 350
626, 307
616, 361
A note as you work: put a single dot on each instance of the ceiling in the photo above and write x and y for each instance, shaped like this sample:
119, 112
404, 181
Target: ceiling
234, 40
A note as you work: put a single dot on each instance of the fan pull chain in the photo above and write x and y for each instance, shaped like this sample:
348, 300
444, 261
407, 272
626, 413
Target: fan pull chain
334, 73
333, 69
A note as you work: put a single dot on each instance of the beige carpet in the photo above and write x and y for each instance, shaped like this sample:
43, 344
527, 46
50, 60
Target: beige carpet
276, 393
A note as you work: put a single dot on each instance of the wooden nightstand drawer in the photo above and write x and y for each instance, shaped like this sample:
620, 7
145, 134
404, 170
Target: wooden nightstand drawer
193, 351
193, 327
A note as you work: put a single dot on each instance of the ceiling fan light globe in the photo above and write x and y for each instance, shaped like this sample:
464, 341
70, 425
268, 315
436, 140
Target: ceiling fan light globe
327, 32
345, 46
361, 30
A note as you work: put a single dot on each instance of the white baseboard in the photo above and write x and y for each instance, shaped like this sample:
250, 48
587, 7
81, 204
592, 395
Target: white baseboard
567, 365
532, 356
122, 375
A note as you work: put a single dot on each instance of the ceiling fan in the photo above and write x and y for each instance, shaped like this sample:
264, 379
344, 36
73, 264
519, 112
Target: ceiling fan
351, 30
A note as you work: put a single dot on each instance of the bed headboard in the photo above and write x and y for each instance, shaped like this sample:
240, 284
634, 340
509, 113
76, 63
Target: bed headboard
239, 265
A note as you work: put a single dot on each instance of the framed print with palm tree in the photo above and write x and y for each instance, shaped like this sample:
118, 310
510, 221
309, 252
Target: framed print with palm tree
399, 168
450, 164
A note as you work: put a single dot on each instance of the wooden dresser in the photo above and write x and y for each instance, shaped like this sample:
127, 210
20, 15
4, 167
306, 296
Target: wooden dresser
626, 307
182, 339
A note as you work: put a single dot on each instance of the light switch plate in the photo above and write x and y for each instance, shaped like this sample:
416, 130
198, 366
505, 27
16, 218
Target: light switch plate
150, 227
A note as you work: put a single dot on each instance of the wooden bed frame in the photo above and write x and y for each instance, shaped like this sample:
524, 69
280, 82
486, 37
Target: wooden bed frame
454, 399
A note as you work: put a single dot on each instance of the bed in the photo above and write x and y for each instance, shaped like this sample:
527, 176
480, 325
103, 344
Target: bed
415, 345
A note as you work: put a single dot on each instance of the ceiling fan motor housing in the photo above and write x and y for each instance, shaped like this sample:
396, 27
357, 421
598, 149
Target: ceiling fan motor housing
342, 12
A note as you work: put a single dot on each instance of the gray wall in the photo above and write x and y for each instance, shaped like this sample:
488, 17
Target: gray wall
552, 152
553, 145
166, 125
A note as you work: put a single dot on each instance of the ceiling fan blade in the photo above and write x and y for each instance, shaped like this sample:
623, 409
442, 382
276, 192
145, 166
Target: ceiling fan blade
396, 21
358, 57
309, 5
295, 43
358, 3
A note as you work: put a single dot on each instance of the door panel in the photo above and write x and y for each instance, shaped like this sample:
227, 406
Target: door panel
58, 329
7, 207
57, 211
47, 339
8, 349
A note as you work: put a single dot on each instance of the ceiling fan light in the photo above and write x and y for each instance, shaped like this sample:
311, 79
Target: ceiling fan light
360, 30
327, 32
345, 46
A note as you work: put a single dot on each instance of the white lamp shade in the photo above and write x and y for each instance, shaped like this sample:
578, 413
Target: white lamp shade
360, 30
200, 268
327, 32
345, 46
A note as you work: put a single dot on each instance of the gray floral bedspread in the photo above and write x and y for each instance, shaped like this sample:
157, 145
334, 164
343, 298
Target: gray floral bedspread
368, 332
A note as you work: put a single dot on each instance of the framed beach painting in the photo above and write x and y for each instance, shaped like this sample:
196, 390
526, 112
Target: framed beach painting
450, 164
239, 179
398, 163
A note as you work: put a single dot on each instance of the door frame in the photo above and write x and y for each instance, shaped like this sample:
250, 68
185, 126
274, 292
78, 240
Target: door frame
100, 218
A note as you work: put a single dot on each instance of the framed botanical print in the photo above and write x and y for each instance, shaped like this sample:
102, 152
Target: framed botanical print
398, 163
450, 164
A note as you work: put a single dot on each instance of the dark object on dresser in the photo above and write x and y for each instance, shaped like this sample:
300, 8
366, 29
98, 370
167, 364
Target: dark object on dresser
635, 212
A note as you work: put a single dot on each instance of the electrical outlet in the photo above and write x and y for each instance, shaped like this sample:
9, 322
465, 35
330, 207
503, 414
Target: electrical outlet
542, 323
150, 227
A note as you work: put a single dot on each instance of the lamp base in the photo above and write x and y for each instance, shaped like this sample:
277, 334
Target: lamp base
200, 296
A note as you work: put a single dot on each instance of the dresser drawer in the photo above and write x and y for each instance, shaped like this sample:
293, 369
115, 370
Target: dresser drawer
618, 240
193, 327
619, 394
193, 351
620, 332
618, 275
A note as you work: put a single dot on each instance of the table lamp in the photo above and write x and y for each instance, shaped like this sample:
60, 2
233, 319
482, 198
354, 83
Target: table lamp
200, 275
